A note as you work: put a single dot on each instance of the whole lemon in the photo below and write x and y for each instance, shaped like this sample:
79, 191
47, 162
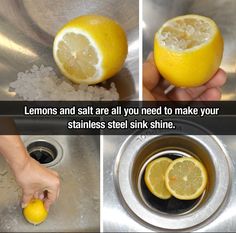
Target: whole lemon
90, 49
188, 50
35, 212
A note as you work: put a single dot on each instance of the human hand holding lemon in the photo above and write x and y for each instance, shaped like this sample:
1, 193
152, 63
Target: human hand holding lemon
40, 187
188, 51
37, 182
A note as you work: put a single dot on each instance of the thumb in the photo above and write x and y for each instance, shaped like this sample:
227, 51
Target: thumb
151, 76
26, 198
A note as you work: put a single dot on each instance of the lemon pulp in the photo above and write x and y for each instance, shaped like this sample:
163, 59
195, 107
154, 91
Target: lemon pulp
186, 178
90, 49
77, 55
155, 177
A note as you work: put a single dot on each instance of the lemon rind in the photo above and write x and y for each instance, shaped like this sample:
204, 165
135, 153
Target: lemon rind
150, 187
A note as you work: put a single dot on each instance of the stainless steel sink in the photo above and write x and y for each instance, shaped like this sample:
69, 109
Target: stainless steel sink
28, 28
127, 205
122, 212
156, 12
78, 207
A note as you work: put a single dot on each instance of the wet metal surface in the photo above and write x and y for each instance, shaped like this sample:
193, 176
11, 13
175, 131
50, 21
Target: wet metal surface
27, 29
78, 207
156, 12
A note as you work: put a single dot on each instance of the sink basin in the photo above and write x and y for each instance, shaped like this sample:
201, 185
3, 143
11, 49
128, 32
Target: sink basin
124, 209
155, 13
28, 28
77, 209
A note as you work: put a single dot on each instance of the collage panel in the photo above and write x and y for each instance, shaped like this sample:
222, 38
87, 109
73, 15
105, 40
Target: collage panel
34, 50
60, 50
77, 209
181, 28
104, 131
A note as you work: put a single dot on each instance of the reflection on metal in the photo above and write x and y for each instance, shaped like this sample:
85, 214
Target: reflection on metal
6, 43
229, 68
134, 46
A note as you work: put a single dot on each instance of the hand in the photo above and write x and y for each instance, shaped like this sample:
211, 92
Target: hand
154, 86
38, 181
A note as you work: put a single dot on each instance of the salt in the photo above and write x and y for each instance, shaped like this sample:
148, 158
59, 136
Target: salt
42, 83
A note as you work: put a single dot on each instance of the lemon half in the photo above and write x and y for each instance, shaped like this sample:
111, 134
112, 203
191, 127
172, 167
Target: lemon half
35, 212
90, 49
155, 177
186, 178
188, 50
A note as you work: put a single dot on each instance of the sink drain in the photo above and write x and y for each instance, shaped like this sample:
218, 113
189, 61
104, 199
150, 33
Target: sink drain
45, 150
172, 214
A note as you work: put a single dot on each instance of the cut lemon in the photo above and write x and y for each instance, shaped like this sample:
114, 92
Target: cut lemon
188, 50
35, 212
155, 177
186, 178
90, 49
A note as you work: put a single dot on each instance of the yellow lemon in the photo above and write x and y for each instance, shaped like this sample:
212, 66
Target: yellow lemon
155, 177
186, 178
188, 50
90, 49
34, 212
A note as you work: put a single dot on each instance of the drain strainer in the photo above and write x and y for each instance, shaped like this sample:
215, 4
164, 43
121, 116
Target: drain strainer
45, 150
138, 151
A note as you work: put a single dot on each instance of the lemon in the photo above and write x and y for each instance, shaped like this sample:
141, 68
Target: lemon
90, 49
155, 177
186, 178
188, 50
35, 212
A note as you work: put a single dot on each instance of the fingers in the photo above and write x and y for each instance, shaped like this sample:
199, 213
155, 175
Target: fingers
151, 76
41, 196
36, 195
50, 199
52, 194
27, 197
187, 94
211, 94
147, 95
218, 80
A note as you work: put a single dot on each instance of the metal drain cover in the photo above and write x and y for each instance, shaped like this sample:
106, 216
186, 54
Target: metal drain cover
45, 150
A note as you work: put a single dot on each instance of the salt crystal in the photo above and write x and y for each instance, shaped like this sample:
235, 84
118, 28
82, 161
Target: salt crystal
42, 83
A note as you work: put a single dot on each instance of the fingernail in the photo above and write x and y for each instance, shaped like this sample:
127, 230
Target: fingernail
41, 196
23, 205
